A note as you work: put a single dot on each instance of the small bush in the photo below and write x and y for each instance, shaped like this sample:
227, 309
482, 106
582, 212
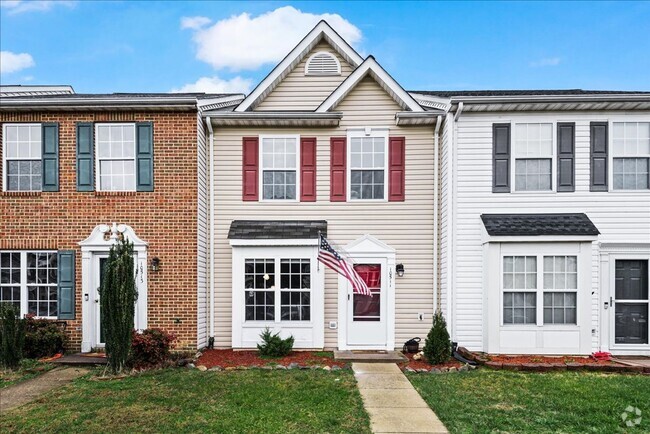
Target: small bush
437, 348
273, 345
12, 336
151, 347
43, 338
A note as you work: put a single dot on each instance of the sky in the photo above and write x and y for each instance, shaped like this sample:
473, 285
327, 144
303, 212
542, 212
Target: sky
154, 46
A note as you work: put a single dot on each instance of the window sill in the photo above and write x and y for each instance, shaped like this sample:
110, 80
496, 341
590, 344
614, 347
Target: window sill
115, 193
22, 193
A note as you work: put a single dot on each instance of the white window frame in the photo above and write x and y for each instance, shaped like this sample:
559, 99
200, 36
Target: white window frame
611, 156
24, 306
514, 157
5, 158
382, 132
261, 166
98, 159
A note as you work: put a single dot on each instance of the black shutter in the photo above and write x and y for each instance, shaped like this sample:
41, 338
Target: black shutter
500, 158
50, 157
66, 287
566, 156
85, 157
144, 156
598, 176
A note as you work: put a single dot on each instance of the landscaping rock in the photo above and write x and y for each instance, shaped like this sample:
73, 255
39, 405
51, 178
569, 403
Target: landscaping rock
304, 367
198, 355
293, 365
558, 367
494, 365
315, 367
530, 367
326, 368
202, 368
423, 370
574, 366
409, 369
282, 367
472, 367
267, 367
435, 371
191, 365
230, 368
336, 368
464, 368
216, 368
452, 369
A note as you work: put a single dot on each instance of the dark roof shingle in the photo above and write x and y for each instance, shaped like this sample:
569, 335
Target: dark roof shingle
536, 92
538, 224
276, 229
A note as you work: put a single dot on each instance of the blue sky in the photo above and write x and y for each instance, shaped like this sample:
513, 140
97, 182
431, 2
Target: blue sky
229, 46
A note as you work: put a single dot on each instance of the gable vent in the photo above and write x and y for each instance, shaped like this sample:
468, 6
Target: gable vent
323, 63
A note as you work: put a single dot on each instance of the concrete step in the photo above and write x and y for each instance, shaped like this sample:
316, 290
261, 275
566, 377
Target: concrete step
80, 359
370, 356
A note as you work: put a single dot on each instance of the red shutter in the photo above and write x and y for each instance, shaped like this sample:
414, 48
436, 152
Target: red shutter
250, 163
308, 169
337, 169
396, 155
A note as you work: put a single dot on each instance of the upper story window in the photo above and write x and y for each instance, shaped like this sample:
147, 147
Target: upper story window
631, 155
323, 63
367, 166
279, 167
116, 157
533, 156
23, 157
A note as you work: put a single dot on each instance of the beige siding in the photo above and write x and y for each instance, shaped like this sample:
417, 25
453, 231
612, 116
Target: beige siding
305, 92
202, 236
406, 226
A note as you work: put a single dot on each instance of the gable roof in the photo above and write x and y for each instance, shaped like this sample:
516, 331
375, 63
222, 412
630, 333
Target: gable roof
321, 31
388, 83
538, 224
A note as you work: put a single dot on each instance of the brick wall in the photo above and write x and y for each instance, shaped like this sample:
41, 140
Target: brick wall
166, 218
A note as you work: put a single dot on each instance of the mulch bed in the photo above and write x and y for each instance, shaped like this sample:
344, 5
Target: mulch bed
233, 359
548, 360
423, 364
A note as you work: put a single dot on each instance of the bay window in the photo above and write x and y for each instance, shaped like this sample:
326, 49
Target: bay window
533, 156
631, 155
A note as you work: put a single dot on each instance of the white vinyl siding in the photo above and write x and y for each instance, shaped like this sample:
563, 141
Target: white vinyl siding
22, 149
631, 155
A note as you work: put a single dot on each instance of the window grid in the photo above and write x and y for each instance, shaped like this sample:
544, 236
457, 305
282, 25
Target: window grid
295, 274
520, 308
259, 275
29, 280
279, 168
116, 157
533, 153
631, 155
519, 277
367, 167
10, 278
23, 153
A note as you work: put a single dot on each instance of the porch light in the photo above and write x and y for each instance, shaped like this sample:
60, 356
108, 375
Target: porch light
399, 269
155, 264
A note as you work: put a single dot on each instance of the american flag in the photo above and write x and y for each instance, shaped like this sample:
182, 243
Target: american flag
330, 257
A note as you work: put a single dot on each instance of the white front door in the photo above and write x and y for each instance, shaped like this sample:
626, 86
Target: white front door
367, 316
99, 265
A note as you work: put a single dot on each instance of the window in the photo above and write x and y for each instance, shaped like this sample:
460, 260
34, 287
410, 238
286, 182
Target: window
260, 276
533, 154
279, 168
295, 282
29, 280
368, 167
561, 278
631, 155
519, 278
22, 150
116, 157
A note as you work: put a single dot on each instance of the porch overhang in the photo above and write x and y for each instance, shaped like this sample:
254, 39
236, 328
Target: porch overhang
276, 232
509, 228
273, 119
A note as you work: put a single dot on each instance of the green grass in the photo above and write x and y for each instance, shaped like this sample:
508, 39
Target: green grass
178, 400
487, 401
29, 368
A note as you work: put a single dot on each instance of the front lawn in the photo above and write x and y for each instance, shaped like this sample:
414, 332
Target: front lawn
486, 401
179, 400
29, 368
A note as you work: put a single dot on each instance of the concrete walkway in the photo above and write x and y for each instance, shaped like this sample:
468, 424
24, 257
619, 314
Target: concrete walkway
26, 391
392, 402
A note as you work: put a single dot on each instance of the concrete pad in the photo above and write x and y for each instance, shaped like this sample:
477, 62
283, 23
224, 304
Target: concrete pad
382, 381
376, 368
370, 356
391, 398
399, 420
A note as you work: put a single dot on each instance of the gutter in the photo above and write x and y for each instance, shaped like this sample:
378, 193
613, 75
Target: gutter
551, 98
274, 115
95, 102
211, 249
436, 284
459, 111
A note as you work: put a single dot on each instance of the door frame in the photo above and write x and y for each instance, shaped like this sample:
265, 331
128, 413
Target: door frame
98, 245
365, 250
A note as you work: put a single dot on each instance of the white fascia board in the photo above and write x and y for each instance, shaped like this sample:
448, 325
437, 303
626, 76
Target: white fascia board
220, 100
274, 242
322, 29
370, 66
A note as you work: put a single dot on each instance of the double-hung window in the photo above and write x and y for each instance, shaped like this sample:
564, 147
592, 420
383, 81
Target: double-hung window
631, 155
533, 156
28, 280
368, 164
23, 152
279, 167
116, 157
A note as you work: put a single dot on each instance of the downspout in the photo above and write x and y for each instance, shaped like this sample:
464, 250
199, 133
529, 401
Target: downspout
211, 254
436, 238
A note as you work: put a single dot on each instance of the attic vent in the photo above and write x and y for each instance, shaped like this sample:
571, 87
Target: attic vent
323, 63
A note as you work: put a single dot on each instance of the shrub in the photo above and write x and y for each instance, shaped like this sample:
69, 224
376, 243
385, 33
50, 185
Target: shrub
437, 348
43, 338
151, 347
12, 336
119, 294
273, 345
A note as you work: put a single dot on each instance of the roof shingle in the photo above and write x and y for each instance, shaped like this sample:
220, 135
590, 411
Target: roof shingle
276, 229
538, 224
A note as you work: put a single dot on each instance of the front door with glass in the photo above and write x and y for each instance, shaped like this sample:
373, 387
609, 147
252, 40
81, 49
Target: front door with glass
630, 302
367, 325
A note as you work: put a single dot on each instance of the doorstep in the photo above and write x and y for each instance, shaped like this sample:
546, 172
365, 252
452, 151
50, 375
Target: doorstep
370, 356
81, 359
632, 361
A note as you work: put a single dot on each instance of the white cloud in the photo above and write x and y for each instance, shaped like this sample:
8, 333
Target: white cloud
20, 6
12, 62
218, 85
245, 42
549, 61
194, 22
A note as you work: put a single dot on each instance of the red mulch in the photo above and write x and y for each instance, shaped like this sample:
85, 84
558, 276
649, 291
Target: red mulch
233, 359
423, 364
547, 359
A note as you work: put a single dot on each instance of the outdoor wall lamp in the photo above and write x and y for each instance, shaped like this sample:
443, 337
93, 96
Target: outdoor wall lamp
155, 264
399, 269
